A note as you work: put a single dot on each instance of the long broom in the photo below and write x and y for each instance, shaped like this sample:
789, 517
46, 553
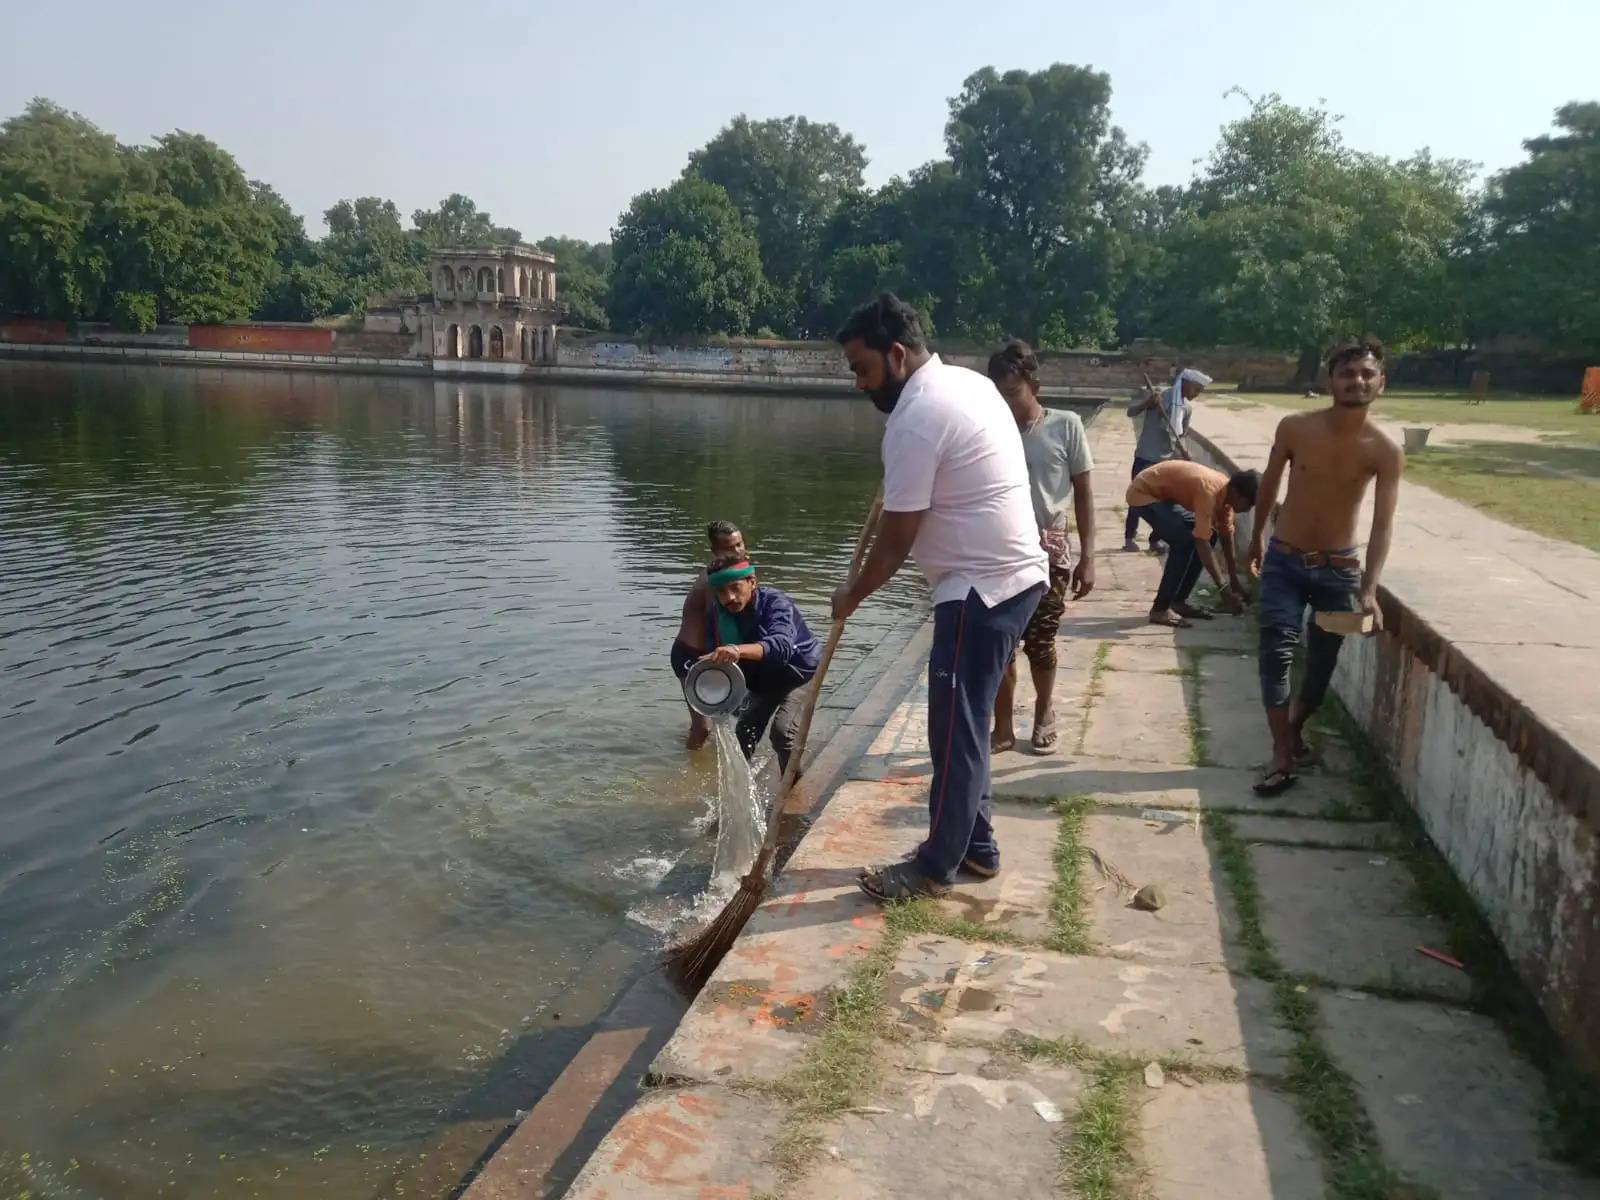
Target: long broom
691, 962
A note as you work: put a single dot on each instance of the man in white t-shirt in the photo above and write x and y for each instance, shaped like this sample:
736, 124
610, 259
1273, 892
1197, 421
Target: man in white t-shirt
955, 496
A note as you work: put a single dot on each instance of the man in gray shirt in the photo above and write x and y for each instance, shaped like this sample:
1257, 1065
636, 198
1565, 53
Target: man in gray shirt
1059, 466
1164, 413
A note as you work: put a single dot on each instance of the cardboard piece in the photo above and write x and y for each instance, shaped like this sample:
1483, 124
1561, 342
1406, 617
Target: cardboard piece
1346, 624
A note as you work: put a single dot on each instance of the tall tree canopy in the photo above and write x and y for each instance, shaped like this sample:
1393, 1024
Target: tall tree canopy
788, 176
1290, 238
685, 261
457, 222
1538, 270
1053, 181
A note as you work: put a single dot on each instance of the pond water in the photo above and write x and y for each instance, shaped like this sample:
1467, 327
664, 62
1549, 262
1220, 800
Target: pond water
338, 742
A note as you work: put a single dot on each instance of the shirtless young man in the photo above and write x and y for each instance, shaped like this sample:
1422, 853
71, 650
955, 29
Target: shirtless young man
691, 643
1331, 455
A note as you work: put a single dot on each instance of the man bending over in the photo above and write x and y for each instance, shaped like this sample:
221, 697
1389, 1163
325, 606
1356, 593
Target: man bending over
1330, 455
760, 630
1191, 509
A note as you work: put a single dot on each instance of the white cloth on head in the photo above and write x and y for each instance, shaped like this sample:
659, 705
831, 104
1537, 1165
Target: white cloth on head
1176, 410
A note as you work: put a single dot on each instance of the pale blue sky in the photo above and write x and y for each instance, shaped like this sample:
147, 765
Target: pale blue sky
552, 117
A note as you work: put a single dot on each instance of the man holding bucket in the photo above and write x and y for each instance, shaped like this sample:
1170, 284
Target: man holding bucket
760, 630
955, 495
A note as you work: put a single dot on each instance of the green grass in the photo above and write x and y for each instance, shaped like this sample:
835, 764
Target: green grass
1097, 670
1327, 1096
1551, 486
1199, 755
923, 916
1506, 481
1069, 922
842, 1064
1550, 415
1097, 1161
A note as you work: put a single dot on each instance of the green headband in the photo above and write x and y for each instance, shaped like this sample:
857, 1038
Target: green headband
739, 570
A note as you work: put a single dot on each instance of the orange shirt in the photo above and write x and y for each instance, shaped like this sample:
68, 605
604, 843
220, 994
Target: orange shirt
1201, 490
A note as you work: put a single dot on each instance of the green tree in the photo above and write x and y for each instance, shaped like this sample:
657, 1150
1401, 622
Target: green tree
788, 176
684, 261
1291, 238
55, 168
370, 254
457, 222
1052, 181
1538, 271
581, 271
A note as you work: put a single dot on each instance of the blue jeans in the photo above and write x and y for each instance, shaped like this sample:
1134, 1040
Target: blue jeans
1130, 528
972, 645
1288, 587
1174, 525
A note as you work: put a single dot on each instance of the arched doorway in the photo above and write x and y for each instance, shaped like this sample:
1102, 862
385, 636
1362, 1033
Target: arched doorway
549, 344
497, 342
500, 279
447, 281
525, 344
485, 281
452, 342
475, 343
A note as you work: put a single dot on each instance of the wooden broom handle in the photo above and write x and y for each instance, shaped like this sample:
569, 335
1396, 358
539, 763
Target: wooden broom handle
792, 771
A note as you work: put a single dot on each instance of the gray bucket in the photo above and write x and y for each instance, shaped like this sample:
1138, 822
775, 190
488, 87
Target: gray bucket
713, 689
1416, 437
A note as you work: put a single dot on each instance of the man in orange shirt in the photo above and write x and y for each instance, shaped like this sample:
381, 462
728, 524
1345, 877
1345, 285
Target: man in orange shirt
1190, 507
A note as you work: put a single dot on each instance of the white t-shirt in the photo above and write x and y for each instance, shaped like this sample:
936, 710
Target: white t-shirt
952, 451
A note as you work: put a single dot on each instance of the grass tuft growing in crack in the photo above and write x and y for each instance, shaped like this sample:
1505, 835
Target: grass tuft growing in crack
842, 1064
1190, 670
924, 916
1327, 1096
1069, 922
1097, 1159
1097, 670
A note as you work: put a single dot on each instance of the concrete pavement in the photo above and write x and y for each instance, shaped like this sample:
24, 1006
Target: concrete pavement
1269, 1031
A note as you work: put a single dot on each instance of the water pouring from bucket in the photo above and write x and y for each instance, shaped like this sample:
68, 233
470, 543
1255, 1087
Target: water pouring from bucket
718, 690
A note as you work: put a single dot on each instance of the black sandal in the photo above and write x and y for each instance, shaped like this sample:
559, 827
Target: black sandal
1275, 783
902, 881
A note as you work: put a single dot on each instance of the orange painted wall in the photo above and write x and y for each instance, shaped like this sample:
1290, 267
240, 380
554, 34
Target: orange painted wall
31, 329
281, 338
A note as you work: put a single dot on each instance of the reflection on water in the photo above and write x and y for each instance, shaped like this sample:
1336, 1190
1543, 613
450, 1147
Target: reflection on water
338, 740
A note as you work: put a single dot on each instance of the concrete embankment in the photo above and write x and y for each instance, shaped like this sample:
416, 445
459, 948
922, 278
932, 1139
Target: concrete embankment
581, 357
1484, 703
1262, 1027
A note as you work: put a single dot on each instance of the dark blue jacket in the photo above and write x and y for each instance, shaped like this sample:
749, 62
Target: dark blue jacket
773, 620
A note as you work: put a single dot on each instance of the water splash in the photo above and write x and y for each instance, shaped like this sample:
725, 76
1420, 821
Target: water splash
740, 822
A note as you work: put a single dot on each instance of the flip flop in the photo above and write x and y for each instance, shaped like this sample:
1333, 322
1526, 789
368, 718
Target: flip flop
1275, 783
1046, 737
1307, 757
1193, 613
902, 881
1173, 623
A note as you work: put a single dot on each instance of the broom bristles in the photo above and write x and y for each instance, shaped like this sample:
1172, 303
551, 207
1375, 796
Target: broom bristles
691, 963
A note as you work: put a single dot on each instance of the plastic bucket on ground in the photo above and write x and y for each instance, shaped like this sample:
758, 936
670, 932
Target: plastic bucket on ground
1417, 437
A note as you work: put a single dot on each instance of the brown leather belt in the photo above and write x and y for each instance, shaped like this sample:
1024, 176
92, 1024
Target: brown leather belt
1318, 558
